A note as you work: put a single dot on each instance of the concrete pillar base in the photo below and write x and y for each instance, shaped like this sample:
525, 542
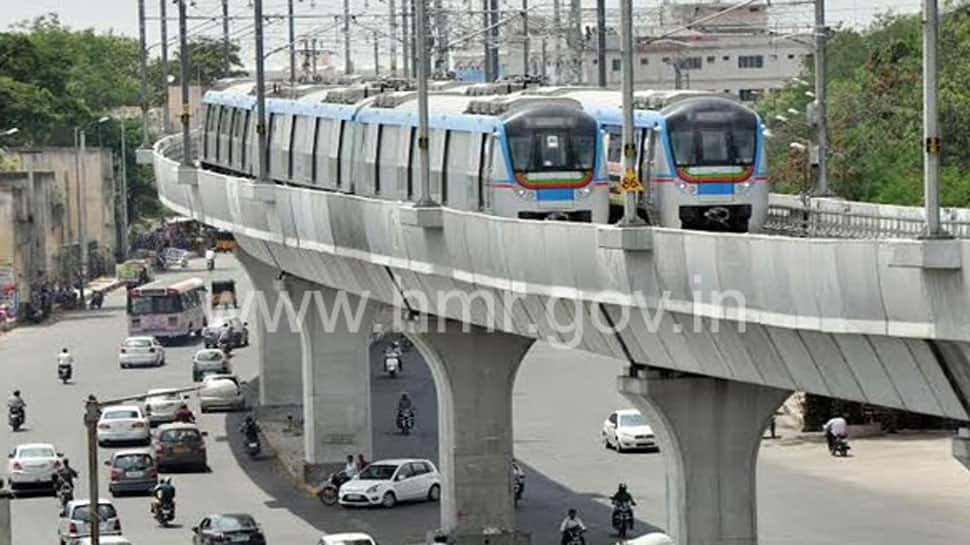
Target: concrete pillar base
474, 371
709, 431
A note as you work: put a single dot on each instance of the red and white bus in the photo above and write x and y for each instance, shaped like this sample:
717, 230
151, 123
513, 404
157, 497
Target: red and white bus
167, 309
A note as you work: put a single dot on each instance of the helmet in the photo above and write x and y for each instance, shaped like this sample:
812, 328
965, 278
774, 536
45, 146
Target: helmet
572, 512
622, 487
16, 393
64, 350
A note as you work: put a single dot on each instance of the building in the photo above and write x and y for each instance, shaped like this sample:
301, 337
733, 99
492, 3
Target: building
28, 214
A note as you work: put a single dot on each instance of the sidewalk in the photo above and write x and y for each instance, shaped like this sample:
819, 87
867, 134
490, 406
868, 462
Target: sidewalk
102, 283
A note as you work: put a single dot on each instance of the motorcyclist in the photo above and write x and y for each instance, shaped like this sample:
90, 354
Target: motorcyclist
210, 258
835, 428
250, 429
65, 359
163, 494
17, 403
225, 337
97, 299
404, 406
569, 525
350, 468
184, 414
66, 474
622, 496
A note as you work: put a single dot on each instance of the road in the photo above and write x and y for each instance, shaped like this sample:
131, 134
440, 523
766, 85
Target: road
561, 399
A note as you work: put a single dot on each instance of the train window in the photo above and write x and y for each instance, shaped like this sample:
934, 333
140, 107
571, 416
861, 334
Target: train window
705, 136
293, 143
245, 136
208, 130
377, 160
269, 136
340, 152
222, 149
481, 172
554, 140
231, 134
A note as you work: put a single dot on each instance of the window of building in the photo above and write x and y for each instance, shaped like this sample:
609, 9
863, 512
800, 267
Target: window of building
751, 61
749, 95
691, 63
644, 61
665, 60
791, 56
617, 65
726, 58
710, 60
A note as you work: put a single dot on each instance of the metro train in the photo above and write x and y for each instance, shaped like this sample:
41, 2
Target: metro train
708, 168
512, 155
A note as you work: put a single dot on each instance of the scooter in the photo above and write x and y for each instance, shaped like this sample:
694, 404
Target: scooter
253, 446
328, 493
64, 372
405, 421
392, 365
15, 417
622, 518
65, 492
164, 512
574, 536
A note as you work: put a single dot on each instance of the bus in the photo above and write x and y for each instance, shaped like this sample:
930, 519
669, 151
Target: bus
167, 309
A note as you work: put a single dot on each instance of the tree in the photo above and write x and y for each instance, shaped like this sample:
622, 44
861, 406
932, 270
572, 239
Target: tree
206, 65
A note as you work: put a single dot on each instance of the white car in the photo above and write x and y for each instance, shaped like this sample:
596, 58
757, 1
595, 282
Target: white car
33, 464
221, 392
627, 429
73, 524
106, 540
346, 539
389, 481
141, 352
161, 403
239, 328
208, 361
123, 423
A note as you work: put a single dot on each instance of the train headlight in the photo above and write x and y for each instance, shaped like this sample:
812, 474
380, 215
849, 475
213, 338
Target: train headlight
742, 188
525, 194
684, 187
583, 192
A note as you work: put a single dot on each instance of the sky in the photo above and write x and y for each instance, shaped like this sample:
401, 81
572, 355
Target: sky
121, 16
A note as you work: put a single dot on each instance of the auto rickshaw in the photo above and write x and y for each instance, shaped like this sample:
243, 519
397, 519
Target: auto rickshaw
224, 293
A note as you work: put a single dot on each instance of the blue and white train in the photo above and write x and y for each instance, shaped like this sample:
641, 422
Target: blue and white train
708, 168
515, 155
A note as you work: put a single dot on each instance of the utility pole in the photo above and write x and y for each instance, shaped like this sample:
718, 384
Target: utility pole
82, 216
577, 46
260, 94
123, 239
630, 196
144, 73
92, 413
393, 50
414, 38
225, 36
441, 35
487, 39
544, 60
821, 126
933, 143
525, 38
377, 57
289, 7
601, 42
424, 155
348, 62
493, 37
405, 41
557, 40
162, 8
184, 77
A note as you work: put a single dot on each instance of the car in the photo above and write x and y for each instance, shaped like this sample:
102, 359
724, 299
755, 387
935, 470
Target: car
176, 257
131, 471
228, 528
141, 352
239, 328
209, 360
73, 522
390, 481
161, 403
346, 539
221, 392
123, 424
106, 540
180, 445
627, 429
33, 464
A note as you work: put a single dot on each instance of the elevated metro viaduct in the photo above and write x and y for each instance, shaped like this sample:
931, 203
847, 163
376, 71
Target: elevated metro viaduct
718, 329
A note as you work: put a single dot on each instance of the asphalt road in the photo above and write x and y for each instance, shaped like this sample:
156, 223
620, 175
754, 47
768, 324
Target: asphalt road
885, 495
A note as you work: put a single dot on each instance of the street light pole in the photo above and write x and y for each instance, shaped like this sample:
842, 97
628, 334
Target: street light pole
821, 36
630, 194
92, 413
124, 193
424, 158
601, 42
83, 219
525, 38
260, 94
348, 62
164, 41
143, 53
184, 77
289, 9
393, 43
931, 131
405, 39
225, 35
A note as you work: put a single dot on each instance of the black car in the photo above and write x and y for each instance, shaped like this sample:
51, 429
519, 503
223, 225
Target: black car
228, 528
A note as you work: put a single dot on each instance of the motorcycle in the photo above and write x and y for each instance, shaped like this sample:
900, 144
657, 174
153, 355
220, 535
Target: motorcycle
97, 300
328, 493
64, 371
405, 421
573, 536
164, 512
392, 365
253, 446
65, 492
15, 416
840, 447
622, 518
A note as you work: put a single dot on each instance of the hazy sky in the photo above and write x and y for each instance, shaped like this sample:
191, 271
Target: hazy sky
121, 16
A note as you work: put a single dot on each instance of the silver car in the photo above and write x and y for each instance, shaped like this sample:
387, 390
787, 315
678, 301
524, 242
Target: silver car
141, 352
208, 361
221, 392
131, 471
74, 520
161, 404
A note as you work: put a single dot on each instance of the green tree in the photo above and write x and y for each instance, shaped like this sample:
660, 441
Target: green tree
206, 65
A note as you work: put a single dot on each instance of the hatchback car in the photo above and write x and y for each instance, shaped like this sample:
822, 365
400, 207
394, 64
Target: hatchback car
33, 464
74, 521
221, 392
180, 445
123, 424
389, 481
161, 403
240, 332
131, 471
627, 429
228, 528
207, 361
141, 352
346, 539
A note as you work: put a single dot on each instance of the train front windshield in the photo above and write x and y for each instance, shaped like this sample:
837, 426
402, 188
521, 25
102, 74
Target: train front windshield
552, 139
712, 132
